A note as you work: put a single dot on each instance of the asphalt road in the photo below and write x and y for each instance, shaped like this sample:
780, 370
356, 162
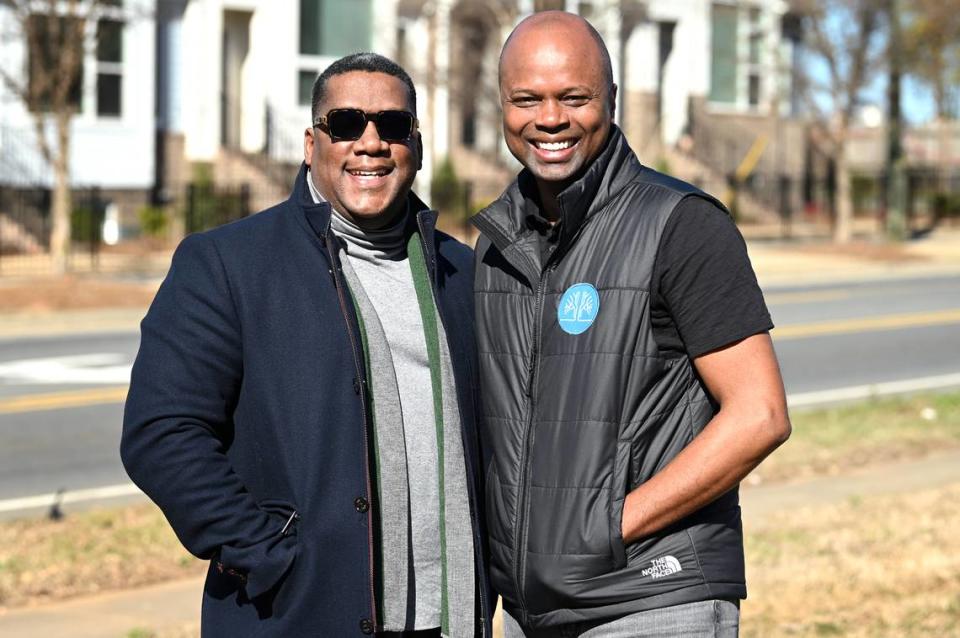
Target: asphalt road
60, 413
839, 336
61, 397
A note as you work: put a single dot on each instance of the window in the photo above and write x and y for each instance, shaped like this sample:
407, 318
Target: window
753, 90
305, 87
335, 27
56, 59
738, 55
755, 46
109, 67
50, 40
723, 46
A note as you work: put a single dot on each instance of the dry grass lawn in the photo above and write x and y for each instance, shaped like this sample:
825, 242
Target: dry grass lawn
837, 440
87, 553
47, 294
879, 567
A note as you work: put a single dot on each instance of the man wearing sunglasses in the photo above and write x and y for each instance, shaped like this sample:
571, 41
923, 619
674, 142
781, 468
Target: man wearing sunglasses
629, 381
302, 407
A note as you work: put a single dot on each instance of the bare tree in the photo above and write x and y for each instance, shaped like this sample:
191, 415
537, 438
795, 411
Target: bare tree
56, 35
932, 50
845, 41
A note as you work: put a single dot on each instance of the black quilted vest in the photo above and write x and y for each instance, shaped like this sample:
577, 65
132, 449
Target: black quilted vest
576, 421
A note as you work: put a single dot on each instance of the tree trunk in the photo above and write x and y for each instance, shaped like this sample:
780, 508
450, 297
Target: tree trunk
843, 199
62, 205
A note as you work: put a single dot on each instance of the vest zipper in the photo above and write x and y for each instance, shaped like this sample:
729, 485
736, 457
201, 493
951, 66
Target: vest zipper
339, 285
474, 527
520, 532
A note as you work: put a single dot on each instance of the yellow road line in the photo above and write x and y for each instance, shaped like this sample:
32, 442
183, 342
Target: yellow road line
865, 324
117, 394
782, 298
61, 400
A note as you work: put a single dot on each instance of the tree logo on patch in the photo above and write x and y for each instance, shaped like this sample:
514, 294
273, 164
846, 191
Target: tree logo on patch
578, 308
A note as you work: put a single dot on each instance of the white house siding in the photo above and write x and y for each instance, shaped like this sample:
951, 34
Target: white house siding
202, 26
270, 72
687, 69
169, 80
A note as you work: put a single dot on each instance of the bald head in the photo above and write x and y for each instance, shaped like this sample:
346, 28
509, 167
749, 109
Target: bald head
557, 26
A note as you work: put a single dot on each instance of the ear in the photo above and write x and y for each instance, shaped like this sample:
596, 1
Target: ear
613, 101
308, 143
419, 151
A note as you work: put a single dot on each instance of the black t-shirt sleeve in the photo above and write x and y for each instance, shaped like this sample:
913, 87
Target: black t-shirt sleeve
705, 294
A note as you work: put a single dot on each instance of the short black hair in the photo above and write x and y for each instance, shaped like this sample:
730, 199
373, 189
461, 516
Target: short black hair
367, 62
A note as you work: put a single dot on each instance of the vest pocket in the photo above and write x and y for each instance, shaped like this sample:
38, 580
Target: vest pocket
620, 485
663, 562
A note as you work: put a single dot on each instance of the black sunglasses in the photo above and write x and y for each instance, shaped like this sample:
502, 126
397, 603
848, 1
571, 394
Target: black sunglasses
349, 124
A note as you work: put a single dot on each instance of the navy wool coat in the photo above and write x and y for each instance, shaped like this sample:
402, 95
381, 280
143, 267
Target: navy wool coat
247, 419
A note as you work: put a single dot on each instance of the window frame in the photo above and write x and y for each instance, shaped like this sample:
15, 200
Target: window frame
752, 63
86, 91
109, 68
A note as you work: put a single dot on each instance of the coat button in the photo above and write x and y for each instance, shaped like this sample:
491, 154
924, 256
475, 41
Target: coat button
356, 385
366, 626
361, 504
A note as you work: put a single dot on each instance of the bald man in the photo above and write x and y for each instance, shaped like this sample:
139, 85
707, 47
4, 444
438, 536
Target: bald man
629, 382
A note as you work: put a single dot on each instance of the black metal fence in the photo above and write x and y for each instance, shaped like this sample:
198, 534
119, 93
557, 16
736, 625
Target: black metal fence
929, 197
25, 227
207, 206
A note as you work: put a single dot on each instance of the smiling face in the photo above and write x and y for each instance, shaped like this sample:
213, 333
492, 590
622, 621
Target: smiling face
557, 101
365, 180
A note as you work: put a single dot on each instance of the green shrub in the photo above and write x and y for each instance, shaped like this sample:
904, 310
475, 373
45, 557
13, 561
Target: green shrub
154, 221
945, 205
84, 224
446, 192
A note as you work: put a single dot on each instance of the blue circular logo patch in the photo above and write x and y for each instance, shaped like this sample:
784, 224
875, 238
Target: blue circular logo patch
578, 308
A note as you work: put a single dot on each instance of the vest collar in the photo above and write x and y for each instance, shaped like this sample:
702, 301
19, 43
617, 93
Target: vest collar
504, 221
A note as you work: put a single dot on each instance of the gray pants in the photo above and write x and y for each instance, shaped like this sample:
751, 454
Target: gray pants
707, 619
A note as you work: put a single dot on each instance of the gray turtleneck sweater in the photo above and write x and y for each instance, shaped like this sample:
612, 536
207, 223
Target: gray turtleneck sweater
379, 261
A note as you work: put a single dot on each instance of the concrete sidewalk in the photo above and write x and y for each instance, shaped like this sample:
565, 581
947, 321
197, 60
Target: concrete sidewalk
780, 263
173, 609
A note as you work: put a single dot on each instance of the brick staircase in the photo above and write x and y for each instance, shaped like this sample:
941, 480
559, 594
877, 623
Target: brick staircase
685, 166
16, 239
269, 180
